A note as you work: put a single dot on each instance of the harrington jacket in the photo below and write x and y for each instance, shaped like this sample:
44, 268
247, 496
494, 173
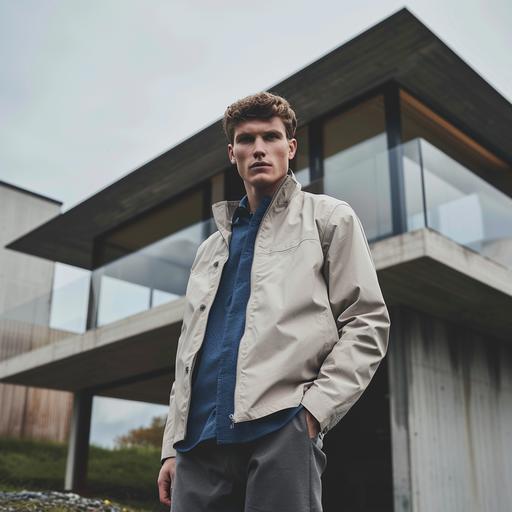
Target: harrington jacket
316, 327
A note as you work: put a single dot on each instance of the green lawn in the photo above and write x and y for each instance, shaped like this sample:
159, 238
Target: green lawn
127, 476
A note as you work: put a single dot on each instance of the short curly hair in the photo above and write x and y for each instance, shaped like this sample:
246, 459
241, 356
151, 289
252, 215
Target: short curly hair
262, 105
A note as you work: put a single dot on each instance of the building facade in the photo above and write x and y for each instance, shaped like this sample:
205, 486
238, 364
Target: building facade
400, 127
25, 301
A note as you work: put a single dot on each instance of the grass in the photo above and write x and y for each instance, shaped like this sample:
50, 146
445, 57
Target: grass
127, 476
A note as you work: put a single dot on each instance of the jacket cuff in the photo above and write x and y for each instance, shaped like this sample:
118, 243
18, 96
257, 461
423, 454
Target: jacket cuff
167, 453
315, 403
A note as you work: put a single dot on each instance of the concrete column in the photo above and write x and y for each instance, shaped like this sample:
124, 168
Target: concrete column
78, 449
399, 375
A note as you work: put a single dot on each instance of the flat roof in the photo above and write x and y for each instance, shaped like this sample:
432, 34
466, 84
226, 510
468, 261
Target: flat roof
400, 49
5, 184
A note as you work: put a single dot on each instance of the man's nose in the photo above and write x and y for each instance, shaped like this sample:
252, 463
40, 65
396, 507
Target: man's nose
259, 148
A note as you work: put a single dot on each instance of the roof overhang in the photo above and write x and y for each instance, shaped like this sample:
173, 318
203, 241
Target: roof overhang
133, 358
399, 49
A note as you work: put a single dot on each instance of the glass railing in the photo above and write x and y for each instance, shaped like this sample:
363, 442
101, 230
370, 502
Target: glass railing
154, 275
45, 319
456, 202
439, 193
360, 175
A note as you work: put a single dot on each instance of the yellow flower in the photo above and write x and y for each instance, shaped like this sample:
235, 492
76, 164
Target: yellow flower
107, 502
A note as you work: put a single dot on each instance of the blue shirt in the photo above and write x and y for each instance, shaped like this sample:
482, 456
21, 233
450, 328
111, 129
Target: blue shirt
213, 380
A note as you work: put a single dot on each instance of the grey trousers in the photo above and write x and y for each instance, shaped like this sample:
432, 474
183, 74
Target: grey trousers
279, 472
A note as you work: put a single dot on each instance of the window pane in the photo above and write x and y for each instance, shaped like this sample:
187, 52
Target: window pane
156, 225
420, 122
300, 164
356, 164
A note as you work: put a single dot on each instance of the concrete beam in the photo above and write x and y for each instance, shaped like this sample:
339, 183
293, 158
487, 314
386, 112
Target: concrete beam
431, 273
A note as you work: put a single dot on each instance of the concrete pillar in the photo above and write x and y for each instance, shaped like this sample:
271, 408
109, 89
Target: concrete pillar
399, 384
78, 449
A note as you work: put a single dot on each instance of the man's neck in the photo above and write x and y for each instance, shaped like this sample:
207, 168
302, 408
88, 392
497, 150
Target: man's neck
255, 195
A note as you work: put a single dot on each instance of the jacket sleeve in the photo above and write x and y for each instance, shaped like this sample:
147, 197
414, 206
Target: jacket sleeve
167, 449
362, 319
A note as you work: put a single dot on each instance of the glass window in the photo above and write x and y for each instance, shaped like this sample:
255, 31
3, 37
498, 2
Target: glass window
356, 164
300, 164
156, 225
456, 171
419, 121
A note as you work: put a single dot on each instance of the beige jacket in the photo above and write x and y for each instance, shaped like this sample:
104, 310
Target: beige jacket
316, 323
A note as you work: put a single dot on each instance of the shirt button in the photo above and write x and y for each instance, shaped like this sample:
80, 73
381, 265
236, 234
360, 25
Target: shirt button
186, 369
216, 264
202, 307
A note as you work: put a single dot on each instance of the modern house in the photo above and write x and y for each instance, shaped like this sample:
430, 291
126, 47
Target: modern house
400, 127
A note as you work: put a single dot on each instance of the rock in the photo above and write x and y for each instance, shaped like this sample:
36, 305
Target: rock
42, 501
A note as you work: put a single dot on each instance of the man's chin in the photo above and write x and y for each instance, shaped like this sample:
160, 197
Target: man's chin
264, 181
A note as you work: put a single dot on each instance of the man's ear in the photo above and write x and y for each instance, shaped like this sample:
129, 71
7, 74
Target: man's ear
292, 145
231, 154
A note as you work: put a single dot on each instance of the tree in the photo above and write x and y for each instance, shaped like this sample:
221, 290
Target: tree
144, 436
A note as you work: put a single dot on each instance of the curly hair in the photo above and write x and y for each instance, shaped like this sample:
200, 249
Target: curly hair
262, 105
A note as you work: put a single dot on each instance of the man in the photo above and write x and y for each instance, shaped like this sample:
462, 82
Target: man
283, 329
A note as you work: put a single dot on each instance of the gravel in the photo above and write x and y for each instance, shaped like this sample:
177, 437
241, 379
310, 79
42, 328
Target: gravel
53, 501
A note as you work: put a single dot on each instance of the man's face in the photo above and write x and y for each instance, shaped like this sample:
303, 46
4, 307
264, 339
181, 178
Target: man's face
261, 152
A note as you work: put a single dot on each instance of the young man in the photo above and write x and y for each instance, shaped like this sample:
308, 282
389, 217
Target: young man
283, 329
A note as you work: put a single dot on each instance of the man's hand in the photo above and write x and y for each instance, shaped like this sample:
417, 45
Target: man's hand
165, 479
313, 424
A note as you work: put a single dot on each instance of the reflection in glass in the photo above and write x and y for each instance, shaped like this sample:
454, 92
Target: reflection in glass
356, 164
151, 276
461, 205
420, 122
300, 164
119, 299
365, 186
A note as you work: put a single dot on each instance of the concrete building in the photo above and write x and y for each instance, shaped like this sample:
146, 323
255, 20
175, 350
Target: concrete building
25, 307
399, 126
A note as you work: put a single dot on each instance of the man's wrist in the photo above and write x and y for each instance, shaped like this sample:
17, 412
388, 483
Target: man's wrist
315, 422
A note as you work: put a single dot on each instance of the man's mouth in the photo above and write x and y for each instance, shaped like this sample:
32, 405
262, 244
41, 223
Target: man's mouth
256, 165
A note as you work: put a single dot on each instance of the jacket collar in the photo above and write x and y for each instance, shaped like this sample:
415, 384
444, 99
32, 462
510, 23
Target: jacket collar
223, 210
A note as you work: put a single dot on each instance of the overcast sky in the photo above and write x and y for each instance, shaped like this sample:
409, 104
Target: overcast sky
90, 90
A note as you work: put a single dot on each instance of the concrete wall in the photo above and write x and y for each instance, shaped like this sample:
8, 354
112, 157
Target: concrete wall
26, 412
451, 405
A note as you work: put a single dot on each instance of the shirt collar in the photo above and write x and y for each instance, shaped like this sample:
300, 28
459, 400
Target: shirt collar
223, 210
243, 210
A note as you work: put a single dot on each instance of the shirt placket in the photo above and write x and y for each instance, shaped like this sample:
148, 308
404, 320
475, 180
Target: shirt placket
233, 329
